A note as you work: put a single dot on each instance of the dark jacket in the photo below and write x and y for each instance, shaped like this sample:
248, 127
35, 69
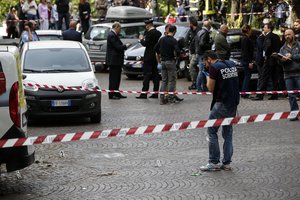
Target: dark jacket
271, 44
222, 46
72, 34
202, 41
259, 59
115, 50
149, 41
291, 68
167, 47
247, 49
84, 10
190, 40
62, 6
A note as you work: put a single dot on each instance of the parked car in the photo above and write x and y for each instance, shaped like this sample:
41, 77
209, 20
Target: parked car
133, 66
60, 63
13, 110
132, 22
49, 34
234, 37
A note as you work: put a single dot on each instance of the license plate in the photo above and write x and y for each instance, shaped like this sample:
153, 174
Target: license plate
137, 66
254, 76
95, 47
60, 103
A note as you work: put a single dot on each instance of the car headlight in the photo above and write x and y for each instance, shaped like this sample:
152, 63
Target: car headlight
90, 84
30, 85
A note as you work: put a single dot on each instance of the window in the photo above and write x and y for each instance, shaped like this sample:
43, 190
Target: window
56, 60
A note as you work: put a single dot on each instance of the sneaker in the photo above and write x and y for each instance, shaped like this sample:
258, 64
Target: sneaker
226, 167
210, 167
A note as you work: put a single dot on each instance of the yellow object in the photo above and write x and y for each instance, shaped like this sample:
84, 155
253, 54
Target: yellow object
209, 8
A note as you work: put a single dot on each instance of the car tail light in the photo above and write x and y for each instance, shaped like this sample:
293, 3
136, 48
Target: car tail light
2, 83
14, 109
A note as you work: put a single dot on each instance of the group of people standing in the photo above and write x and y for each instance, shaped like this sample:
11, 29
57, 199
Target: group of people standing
159, 50
47, 14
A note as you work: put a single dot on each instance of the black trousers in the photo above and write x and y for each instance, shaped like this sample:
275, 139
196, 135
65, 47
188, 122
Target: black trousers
269, 70
12, 32
150, 72
114, 79
85, 24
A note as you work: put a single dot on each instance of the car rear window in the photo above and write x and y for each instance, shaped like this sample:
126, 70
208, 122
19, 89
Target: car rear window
56, 60
50, 37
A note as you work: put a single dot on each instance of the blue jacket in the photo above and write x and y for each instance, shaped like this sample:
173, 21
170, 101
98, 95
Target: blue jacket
72, 34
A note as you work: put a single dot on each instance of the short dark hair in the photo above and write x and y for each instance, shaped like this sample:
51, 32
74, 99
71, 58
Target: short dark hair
270, 26
167, 26
172, 29
193, 21
246, 28
210, 54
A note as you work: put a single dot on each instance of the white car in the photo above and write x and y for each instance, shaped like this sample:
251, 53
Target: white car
13, 120
49, 34
60, 63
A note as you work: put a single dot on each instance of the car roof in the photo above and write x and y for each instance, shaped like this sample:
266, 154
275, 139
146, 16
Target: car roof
109, 25
48, 32
53, 44
127, 12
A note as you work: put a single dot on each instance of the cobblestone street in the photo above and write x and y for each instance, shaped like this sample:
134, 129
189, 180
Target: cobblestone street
266, 159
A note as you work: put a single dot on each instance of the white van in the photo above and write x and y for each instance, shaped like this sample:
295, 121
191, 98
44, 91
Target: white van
65, 63
13, 119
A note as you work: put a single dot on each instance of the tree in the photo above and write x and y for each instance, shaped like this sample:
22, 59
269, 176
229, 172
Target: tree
4, 7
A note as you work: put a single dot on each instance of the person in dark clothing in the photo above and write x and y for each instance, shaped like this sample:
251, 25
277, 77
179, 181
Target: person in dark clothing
203, 43
115, 60
223, 82
270, 68
71, 33
166, 50
191, 44
247, 50
291, 67
150, 64
63, 13
259, 58
84, 15
11, 22
21, 16
296, 28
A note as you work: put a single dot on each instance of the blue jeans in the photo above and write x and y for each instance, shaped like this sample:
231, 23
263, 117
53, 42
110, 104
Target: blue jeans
201, 79
293, 83
219, 110
247, 77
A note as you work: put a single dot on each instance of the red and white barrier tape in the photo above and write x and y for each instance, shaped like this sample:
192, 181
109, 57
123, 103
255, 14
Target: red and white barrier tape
125, 63
148, 92
121, 132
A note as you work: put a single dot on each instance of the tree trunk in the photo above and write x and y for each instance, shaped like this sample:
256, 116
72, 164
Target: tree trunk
296, 9
233, 10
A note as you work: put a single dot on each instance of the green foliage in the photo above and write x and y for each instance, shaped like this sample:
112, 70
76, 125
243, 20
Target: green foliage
163, 7
4, 7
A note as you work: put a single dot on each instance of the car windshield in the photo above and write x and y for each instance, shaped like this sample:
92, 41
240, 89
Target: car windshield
100, 33
180, 31
50, 37
56, 60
